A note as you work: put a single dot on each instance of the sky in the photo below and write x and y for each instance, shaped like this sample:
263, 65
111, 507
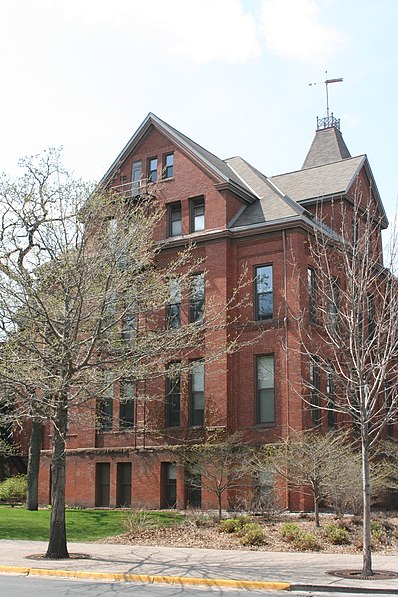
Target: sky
233, 75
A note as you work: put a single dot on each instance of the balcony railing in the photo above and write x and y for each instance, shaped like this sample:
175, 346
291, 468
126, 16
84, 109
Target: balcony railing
139, 188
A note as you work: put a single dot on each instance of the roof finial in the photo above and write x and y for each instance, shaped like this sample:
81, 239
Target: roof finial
329, 120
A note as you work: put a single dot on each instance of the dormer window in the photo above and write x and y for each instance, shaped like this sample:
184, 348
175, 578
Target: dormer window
152, 169
197, 208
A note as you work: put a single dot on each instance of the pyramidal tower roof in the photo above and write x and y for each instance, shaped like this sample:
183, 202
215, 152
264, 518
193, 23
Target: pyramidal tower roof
328, 145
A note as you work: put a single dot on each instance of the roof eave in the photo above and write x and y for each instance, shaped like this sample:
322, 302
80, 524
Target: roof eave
152, 120
247, 196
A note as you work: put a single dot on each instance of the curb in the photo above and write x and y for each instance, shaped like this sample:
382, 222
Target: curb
351, 589
148, 578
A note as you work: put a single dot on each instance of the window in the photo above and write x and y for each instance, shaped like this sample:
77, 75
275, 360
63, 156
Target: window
333, 306
173, 308
265, 391
175, 219
123, 485
136, 175
112, 234
108, 315
173, 384
123, 179
102, 478
152, 169
264, 497
371, 317
168, 165
105, 404
196, 298
264, 294
126, 414
314, 397
129, 323
312, 304
331, 399
197, 394
197, 214
193, 489
169, 483
355, 230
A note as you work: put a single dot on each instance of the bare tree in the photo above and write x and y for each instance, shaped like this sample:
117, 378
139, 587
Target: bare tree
216, 466
349, 335
307, 460
83, 291
343, 490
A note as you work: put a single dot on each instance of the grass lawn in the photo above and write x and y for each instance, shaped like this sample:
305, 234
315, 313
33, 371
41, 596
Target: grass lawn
81, 525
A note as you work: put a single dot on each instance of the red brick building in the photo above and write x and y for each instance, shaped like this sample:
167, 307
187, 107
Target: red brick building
237, 218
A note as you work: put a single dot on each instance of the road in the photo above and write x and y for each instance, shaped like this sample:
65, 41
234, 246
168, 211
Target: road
20, 586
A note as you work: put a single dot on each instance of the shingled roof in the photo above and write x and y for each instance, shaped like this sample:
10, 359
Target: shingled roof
321, 181
328, 170
328, 146
272, 204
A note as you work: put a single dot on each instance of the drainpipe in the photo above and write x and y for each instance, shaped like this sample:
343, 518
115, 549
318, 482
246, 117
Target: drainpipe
285, 322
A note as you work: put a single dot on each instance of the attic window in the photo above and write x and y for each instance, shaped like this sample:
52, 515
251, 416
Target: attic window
152, 169
168, 165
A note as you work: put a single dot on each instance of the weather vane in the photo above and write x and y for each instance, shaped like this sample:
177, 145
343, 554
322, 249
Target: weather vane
327, 82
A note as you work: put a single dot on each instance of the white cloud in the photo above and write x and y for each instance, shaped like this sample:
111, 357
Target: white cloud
202, 32
292, 28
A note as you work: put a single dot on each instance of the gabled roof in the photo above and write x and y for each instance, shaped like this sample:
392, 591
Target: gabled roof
326, 181
328, 146
321, 181
328, 171
214, 165
272, 204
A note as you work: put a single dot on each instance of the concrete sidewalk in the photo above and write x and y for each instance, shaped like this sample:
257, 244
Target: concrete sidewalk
265, 570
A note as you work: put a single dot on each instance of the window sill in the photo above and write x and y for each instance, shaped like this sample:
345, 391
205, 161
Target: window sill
266, 322
265, 425
115, 431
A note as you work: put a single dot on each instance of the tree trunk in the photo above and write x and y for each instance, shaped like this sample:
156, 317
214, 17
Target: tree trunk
57, 548
316, 510
367, 551
219, 498
32, 498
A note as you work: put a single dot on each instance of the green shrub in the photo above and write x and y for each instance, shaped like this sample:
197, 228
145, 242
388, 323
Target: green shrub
242, 520
13, 489
234, 525
229, 525
377, 533
306, 541
252, 534
337, 535
290, 531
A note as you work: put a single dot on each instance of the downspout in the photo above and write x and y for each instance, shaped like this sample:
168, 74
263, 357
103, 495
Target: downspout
285, 323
